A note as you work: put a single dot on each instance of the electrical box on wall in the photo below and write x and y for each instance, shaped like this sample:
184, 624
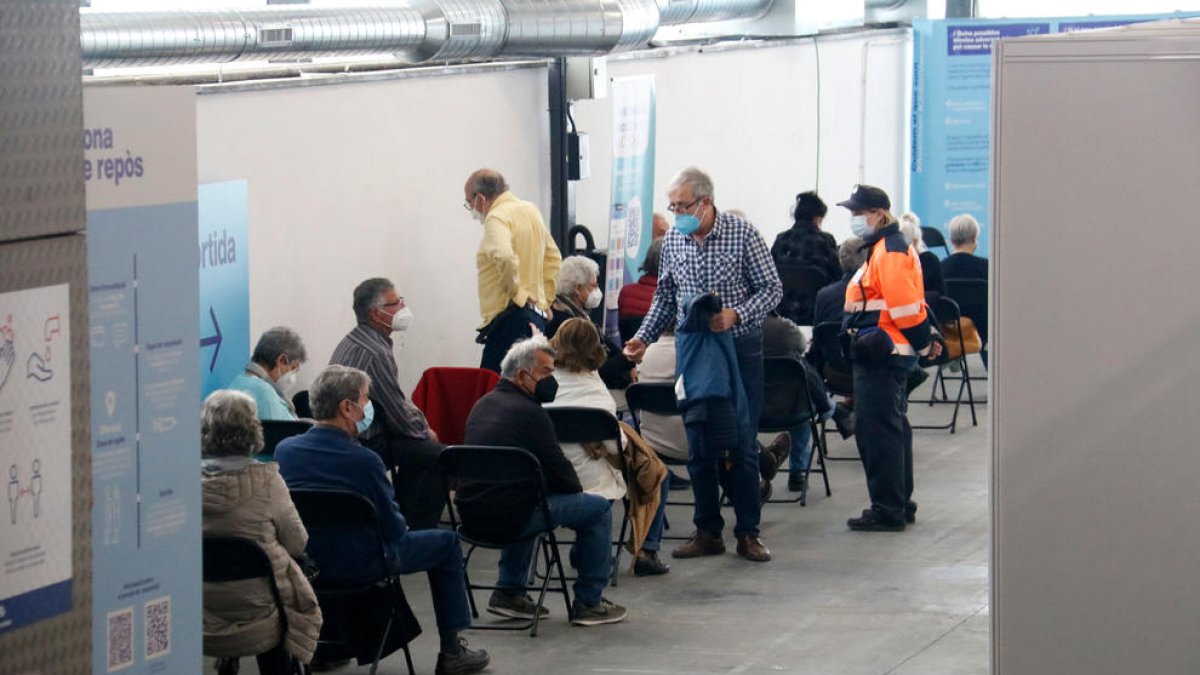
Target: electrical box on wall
587, 77
578, 156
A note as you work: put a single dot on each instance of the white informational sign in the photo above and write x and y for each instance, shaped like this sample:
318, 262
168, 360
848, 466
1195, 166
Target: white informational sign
35, 455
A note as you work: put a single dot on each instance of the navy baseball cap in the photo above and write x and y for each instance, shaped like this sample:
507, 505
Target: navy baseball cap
866, 197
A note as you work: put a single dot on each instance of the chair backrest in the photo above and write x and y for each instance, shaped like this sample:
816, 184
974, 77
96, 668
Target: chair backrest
275, 431
446, 396
968, 292
932, 236
948, 316
334, 513
786, 400
584, 425
800, 286
479, 471
652, 397
300, 403
233, 559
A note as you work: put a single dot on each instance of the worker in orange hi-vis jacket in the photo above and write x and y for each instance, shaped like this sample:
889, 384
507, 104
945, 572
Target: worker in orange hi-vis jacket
885, 302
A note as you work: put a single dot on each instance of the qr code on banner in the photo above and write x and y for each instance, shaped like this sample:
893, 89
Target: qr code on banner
120, 639
158, 627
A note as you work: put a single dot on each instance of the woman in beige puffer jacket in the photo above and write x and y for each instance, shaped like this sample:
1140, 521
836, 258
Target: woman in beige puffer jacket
248, 499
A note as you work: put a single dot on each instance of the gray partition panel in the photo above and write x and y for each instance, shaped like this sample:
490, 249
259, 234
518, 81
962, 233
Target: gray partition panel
61, 644
41, 119
1095, 358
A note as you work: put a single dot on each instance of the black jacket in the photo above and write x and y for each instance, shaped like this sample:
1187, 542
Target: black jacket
805, 244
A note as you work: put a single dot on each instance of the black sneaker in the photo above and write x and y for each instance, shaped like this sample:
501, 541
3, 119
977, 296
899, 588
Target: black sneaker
797, 482
464, 661
910, 513
843, 419
515, 605
648, 564
597, 614
871, 522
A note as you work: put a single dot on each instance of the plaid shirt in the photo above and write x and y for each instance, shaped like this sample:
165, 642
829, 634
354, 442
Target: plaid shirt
733, 263
371, 352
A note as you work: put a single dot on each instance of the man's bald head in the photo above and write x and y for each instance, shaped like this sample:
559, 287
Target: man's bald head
486, 182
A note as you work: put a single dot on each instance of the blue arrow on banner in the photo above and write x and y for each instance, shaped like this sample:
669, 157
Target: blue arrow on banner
212, 339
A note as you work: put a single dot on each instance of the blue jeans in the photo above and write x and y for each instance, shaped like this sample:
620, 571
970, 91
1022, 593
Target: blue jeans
704, 469
506, 331
437, 552
884, 436
654, 536
801, 453
590, 516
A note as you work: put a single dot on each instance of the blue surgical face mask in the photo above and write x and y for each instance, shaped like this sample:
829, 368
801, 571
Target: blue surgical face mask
686, 223
368, 418
859, 226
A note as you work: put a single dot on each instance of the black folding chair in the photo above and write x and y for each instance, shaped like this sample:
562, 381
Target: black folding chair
336, 513
483, 470
800, 286
972, 298
300, 403
945, 311
592, 425
932, 237
237, 559
275, 431
837, 372
787, 405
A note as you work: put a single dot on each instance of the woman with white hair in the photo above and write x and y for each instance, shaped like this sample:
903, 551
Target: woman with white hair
931, 270
578, 294
964, 264
242, 497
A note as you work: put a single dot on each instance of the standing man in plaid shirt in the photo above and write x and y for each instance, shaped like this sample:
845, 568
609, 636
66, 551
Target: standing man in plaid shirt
712, 252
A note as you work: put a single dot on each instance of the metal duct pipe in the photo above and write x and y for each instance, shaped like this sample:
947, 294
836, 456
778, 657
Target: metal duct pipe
422, 30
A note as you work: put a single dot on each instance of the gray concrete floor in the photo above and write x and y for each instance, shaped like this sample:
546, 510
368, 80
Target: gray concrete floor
831, 601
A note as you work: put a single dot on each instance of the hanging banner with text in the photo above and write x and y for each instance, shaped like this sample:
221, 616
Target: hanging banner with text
632, 211
224, 284
140, 168
952, 108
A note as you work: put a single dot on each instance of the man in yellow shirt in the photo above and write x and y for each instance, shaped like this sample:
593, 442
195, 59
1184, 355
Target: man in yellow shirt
517, 261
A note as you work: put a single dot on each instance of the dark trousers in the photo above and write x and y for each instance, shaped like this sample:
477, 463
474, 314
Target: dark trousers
704, 467
511, 326
415, 476
884, 436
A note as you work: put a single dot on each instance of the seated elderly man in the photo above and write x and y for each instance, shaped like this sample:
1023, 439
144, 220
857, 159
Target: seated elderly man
578, 294
329, 457
512, 416
271, 373
400, 434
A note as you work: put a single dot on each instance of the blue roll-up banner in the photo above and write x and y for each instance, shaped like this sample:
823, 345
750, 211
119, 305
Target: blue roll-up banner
952, 106
140, 171
632, 205
224, 284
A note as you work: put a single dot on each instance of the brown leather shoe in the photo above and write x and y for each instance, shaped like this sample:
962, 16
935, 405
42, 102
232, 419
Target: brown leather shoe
781, 447
702, 543
751, 547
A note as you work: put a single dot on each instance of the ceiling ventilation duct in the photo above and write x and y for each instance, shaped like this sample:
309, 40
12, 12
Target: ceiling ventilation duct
419, 31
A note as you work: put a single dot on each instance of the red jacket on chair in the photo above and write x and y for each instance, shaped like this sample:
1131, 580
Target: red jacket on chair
446, 396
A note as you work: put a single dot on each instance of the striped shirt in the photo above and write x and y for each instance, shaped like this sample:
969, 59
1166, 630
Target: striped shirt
733, 262
371, 352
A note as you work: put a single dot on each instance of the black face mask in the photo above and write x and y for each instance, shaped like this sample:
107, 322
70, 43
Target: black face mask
545, 390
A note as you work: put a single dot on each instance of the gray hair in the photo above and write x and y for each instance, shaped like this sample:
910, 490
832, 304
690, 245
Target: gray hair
488, 183
333, 385
577, 270
367, 296
701, 184
910, 227
276, 342
523, 356
964, 229
851, 254
229, 425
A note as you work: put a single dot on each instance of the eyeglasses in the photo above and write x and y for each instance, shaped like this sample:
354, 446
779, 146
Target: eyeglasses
398, 303
467, 203
676, 208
